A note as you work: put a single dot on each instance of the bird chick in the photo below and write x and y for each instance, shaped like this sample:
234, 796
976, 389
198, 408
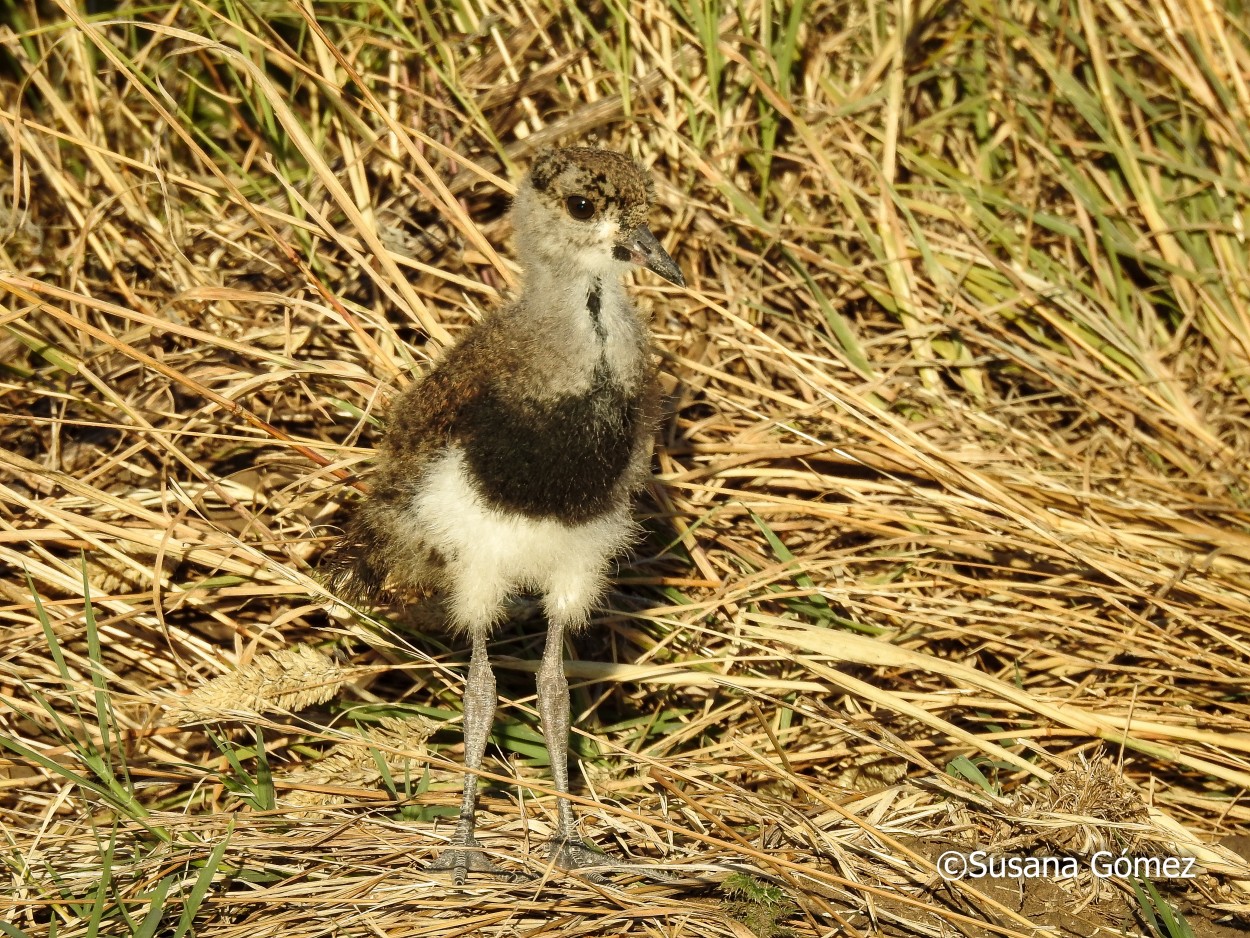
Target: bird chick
510, 466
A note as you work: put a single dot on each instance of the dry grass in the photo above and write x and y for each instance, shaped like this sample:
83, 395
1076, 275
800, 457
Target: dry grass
949, 543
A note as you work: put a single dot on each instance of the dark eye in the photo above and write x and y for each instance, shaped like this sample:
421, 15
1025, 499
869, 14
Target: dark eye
580, 207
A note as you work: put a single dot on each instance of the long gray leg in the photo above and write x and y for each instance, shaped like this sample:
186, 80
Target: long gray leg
565, 847
465, 854
553, 710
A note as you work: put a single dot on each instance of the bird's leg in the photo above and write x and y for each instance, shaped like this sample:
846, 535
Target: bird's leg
565, 847
465, 854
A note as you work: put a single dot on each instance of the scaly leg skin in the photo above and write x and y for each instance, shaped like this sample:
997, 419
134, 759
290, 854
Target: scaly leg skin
565, 848
465, 855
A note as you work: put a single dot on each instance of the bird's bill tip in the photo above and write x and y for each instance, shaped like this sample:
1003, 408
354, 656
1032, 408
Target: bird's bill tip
645, 251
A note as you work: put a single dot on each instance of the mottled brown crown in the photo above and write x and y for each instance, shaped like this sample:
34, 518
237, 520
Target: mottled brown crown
612, 181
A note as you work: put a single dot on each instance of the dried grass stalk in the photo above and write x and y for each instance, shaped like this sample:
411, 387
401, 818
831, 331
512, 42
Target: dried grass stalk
353, 763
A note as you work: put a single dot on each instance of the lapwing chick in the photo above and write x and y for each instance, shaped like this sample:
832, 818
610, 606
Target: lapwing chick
510, 467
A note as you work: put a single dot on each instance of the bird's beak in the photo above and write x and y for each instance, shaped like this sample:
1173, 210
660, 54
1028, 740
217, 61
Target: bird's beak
645, 251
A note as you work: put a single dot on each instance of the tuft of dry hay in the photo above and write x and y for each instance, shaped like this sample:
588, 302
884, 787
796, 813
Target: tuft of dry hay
354, 763
1083, 810
948, 546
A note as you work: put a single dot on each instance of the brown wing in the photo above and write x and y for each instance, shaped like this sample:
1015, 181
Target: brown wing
422, 421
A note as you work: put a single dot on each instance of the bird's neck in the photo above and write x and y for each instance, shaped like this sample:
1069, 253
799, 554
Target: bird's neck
583, 320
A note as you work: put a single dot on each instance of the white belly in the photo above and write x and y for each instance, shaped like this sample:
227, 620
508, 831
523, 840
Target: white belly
491, 554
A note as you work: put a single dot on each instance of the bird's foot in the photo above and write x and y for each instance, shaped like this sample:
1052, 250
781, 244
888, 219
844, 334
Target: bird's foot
591, 863
569, 853
464, 858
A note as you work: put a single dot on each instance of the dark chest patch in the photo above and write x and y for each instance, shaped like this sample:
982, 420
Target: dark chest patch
563, 458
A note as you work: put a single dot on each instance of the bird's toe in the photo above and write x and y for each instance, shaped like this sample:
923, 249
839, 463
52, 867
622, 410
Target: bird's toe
566, 853
463, 859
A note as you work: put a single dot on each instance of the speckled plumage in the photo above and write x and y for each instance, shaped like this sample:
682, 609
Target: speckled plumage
510, 466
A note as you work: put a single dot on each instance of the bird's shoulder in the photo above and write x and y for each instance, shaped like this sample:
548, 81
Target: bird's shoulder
430, 409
